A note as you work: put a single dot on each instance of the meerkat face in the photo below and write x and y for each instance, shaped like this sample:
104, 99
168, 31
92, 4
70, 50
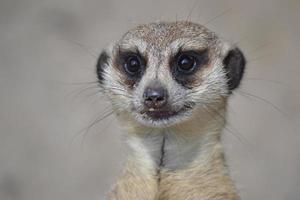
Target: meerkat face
160, 74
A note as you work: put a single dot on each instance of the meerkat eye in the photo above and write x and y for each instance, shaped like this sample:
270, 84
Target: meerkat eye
132, 65
186, 63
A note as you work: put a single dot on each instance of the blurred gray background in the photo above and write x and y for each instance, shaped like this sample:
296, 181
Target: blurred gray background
48, 51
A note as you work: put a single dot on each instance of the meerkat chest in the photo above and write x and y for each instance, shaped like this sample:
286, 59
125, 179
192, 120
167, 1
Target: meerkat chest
164, 150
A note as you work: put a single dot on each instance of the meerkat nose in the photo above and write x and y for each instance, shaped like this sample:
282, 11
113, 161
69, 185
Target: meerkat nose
155, 97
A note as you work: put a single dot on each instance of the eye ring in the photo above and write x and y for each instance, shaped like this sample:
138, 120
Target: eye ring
132, 65
186, 63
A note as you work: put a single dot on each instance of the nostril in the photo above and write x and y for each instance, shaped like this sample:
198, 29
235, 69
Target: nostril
155, 99
160, 98
149, 99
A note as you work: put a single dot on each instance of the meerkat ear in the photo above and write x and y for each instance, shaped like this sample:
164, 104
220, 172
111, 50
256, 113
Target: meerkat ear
234, 63
102, 62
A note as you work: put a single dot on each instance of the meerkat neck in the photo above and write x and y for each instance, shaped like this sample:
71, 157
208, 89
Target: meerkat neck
178, 147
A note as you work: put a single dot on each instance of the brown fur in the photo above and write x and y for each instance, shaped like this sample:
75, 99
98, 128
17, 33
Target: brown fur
135, 184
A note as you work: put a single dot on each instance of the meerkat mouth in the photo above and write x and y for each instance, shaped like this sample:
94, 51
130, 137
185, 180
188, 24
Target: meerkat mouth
159, 117
162, 114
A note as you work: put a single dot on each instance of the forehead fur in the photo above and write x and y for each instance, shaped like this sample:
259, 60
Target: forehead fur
173, 34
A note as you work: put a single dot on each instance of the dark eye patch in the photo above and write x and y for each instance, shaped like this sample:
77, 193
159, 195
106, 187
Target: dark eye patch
185, 64
132, 65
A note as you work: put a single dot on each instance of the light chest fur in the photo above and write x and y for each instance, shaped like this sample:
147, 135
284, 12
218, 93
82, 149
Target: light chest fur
181, 163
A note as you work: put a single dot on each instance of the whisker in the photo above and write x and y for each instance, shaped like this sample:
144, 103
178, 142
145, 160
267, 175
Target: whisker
258, 58
241, 40
189, 16
272, 105
80, 83
218, 16
102, 130
258, 48
86, 130
77, 92
268, 80
232, 129
261, 99
93, 94
115, 88
86, 48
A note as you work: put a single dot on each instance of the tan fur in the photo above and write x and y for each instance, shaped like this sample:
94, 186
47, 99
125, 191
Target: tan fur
205, 178
181, 159
135, 184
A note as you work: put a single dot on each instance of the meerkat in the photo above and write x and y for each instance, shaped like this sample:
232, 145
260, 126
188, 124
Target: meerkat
169, 84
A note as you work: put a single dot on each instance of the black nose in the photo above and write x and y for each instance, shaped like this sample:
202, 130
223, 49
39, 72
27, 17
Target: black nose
155, 97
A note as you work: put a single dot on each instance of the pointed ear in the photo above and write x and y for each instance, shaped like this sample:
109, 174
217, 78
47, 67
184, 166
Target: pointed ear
101, 64
234, 64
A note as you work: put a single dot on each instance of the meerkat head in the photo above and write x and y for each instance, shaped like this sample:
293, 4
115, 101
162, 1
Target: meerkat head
160, 74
